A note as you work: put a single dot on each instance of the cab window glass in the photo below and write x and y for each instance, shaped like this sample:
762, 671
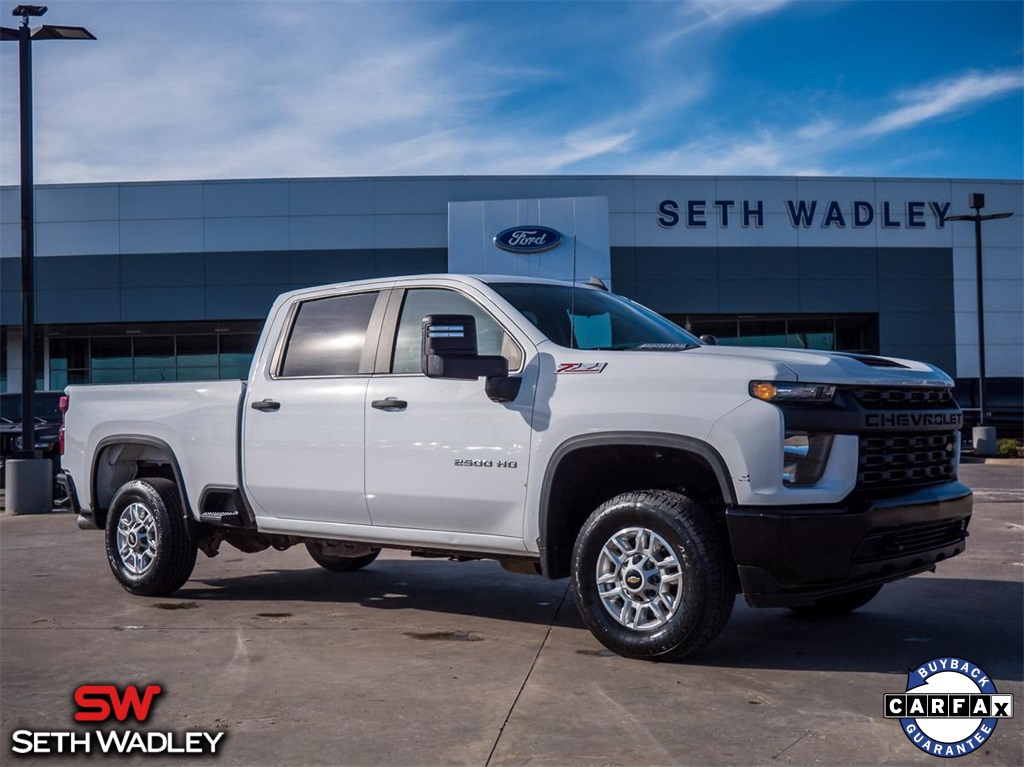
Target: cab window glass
328, 336
420, 302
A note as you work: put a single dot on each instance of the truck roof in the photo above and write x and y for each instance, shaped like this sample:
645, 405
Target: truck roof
465, 279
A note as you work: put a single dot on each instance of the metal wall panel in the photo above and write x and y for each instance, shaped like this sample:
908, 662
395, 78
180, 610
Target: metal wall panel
234, 234
837, 296
323, 267
144, 270
163, 304
331, 232
240, 302
71, 273
78, 305
162, 236
330, 197
680, 296
262, 268
238, 199
161, 201
91, 202
77, 238
753, 296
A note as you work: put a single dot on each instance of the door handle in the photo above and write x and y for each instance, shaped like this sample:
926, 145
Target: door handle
266, 405
389, 404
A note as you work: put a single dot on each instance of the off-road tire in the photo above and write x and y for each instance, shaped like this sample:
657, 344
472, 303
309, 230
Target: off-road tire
340, 564
840, 604
679, 531
158, 562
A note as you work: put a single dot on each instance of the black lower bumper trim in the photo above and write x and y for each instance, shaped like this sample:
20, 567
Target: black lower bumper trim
795, 555
86, 520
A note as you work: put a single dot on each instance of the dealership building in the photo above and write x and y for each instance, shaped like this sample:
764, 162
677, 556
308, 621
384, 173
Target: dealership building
171, 280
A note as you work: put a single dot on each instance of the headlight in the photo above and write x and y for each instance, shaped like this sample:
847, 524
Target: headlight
804, 457
791, 391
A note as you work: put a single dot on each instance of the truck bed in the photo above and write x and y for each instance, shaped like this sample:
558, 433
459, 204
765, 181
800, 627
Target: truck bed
197, 422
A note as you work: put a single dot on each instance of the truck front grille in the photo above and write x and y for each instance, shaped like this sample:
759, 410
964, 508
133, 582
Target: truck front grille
905, 460
903, 397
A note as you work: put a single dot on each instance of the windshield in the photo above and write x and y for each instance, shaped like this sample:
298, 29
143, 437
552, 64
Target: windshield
593, 319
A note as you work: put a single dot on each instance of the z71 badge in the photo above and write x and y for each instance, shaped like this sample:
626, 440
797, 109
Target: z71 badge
581, 367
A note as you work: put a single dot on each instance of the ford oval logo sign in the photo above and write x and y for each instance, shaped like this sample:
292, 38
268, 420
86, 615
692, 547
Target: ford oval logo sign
527, 239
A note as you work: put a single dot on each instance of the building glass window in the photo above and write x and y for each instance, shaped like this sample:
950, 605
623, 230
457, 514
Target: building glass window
111, 360
840, 332
149, 357
760, 332
197, 358
153, 358
236, 354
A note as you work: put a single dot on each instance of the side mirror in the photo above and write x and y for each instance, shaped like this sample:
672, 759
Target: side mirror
709, 339
448, 350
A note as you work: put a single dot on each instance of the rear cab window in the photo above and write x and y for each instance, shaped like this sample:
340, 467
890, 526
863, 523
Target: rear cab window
328, 337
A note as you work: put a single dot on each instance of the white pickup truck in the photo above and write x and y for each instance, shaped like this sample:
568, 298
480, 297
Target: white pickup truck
558, 429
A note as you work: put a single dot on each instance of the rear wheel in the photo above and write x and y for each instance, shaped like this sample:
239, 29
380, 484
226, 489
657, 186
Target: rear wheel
651, 575
337, 563
840, 604
148, 546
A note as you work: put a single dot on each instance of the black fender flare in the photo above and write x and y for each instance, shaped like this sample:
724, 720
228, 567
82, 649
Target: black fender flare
599, 439
145, 441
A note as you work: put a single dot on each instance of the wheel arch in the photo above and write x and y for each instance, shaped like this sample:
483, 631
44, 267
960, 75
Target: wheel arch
567, 499
136, 450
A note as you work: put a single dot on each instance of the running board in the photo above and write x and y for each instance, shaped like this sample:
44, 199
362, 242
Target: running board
223, 519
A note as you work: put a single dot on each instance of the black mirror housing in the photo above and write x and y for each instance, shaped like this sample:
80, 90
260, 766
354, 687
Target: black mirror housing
449, 350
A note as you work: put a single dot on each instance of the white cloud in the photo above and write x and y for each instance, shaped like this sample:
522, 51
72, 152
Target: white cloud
697, 15
254, 89
944, 98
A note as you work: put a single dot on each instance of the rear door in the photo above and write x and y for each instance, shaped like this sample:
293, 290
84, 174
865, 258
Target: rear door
305, 414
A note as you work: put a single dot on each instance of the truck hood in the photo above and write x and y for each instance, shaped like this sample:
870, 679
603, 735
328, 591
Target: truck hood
837, 367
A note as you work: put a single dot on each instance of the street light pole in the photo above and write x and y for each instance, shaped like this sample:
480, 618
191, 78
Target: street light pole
30, 477
977, 202
28, 293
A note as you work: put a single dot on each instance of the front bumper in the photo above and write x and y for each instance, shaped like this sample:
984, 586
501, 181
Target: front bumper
795, 556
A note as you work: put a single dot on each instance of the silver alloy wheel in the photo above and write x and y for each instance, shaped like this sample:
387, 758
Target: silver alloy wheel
639, 579
137, 538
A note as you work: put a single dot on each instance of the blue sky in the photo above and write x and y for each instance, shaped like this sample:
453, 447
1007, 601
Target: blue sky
175, 89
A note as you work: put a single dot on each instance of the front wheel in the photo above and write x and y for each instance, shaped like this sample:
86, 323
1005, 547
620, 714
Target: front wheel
148, 546
651, 575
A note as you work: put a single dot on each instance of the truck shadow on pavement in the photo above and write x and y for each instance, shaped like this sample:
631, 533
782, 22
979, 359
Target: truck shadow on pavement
911, 621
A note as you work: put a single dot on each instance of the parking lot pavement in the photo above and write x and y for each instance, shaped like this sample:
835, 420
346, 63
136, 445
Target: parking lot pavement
414, 662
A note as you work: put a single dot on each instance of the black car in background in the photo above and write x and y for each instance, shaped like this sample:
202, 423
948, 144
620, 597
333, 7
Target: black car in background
46, 411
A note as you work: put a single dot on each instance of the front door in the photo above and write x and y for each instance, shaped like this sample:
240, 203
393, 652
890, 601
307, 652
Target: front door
449, 459
304, 417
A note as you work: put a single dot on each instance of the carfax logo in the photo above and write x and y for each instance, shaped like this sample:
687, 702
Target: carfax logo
950, 707
103, 703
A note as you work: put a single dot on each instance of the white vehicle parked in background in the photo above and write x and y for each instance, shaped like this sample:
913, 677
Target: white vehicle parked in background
604, 443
